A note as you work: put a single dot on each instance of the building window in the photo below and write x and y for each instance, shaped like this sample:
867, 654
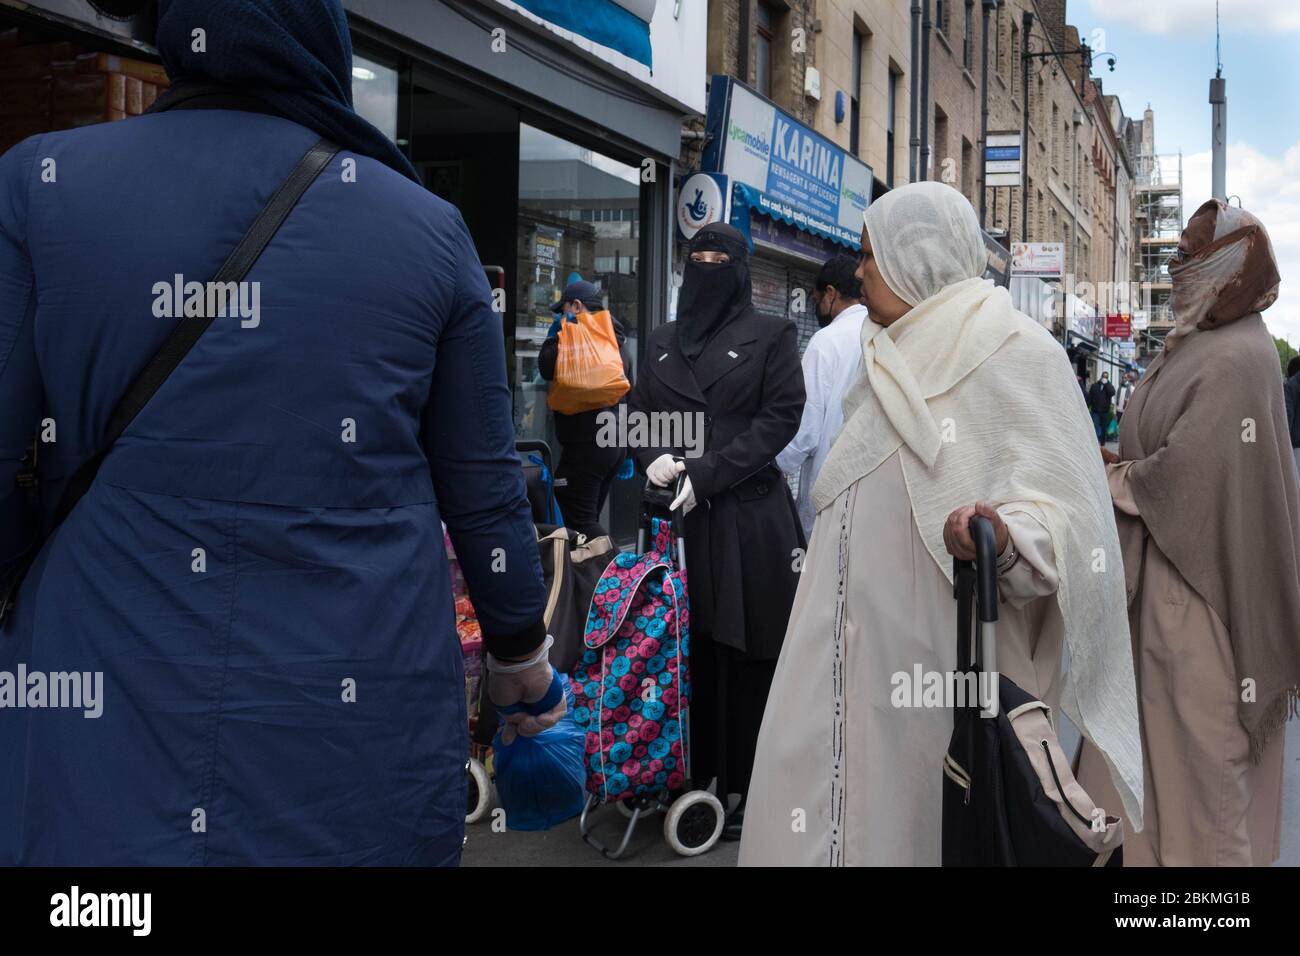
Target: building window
941, 16
999, 49
968, 170
855, 94
968, 47
891, 112
1054, 142
763, 50
940, 149
1015, 60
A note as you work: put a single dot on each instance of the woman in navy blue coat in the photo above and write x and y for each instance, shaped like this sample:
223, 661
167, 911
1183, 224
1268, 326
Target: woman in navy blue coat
258, 571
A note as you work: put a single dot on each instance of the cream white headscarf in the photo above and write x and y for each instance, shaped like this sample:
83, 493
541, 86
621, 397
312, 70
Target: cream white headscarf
980, 404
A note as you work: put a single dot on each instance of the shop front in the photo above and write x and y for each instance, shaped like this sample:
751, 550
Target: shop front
797, 196
553, 130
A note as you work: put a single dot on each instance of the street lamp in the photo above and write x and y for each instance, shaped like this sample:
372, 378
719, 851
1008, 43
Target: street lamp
1082, 50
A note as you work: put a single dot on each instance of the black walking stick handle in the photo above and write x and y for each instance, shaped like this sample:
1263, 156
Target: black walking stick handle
986, 567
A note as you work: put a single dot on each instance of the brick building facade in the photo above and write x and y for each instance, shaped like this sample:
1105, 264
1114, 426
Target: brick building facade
1080, 185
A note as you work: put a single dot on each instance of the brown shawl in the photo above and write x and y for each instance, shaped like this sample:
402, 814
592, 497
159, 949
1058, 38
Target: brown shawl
1214, 478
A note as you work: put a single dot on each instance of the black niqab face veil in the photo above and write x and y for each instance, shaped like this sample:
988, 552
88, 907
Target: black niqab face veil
713, 293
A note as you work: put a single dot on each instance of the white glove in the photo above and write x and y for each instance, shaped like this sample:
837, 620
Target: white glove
664, 469
686, 500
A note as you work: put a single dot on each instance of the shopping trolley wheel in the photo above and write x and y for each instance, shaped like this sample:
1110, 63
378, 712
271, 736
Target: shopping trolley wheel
693, 823
480, 791
647, 806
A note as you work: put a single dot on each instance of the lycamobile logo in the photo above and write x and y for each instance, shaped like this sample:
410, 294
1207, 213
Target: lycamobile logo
856, 198
753, 141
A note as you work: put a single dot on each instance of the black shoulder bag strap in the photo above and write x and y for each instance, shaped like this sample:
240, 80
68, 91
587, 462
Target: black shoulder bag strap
173, 351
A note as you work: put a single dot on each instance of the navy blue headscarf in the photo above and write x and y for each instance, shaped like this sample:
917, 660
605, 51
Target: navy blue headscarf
295, 56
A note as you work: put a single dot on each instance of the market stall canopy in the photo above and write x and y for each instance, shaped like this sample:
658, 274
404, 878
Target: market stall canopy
622, 25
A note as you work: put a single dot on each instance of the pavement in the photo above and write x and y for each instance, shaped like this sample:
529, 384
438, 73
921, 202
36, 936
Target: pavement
563, 845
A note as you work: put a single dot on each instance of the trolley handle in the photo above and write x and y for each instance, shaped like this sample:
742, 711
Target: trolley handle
662, 497
976, 583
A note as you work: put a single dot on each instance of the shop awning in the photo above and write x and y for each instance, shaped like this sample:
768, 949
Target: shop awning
621, 25
747, 198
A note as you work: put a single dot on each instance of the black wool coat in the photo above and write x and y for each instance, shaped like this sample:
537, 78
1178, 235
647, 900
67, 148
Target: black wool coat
744, 544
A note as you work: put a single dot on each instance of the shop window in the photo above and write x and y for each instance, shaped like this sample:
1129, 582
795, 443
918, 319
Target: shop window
374, 94
577, 214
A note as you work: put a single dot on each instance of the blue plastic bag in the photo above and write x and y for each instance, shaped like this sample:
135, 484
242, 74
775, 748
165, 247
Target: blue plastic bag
540, 779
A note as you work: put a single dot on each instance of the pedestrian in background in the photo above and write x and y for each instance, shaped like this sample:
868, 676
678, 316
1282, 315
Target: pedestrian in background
1208, 502
932, 435
586, 470
1291, 389
738, 371
830, 363
1123, 395
1099, 399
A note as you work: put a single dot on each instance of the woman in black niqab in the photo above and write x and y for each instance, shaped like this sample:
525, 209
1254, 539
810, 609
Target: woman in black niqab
713, 292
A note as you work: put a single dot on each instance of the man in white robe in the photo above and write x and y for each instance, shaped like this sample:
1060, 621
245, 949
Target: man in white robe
830, 364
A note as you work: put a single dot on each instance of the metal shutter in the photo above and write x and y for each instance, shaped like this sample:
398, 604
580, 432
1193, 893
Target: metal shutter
771, 290
807, 322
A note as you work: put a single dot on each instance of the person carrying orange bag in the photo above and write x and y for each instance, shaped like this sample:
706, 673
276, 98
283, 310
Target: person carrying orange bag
588, 366
587, 362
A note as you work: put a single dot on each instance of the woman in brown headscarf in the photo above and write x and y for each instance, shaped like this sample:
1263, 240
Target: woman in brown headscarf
1208, 507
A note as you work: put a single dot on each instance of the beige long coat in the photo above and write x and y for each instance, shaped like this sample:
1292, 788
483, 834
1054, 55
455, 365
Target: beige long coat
842, 776
1205, 803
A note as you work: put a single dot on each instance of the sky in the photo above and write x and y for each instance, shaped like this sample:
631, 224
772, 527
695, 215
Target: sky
1165, 57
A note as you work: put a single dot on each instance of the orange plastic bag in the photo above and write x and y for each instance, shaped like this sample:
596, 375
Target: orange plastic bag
588, 366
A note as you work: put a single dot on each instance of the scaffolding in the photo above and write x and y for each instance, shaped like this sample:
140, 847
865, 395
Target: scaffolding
1159, 221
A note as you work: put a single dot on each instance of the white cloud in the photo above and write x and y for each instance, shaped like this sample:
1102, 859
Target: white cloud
1197, 16
1269, 186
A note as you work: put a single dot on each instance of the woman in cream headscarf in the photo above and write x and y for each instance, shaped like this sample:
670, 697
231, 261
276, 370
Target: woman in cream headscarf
963, 405
1206, 495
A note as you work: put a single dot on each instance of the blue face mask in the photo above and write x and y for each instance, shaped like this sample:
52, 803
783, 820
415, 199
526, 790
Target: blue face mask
571, 316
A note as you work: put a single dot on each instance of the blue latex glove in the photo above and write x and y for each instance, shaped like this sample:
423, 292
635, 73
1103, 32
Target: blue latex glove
554, 330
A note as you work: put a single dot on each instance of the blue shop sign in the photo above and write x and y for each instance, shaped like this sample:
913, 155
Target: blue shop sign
781, 168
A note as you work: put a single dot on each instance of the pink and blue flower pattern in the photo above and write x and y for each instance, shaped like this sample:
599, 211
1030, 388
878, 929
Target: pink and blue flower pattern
632, 685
